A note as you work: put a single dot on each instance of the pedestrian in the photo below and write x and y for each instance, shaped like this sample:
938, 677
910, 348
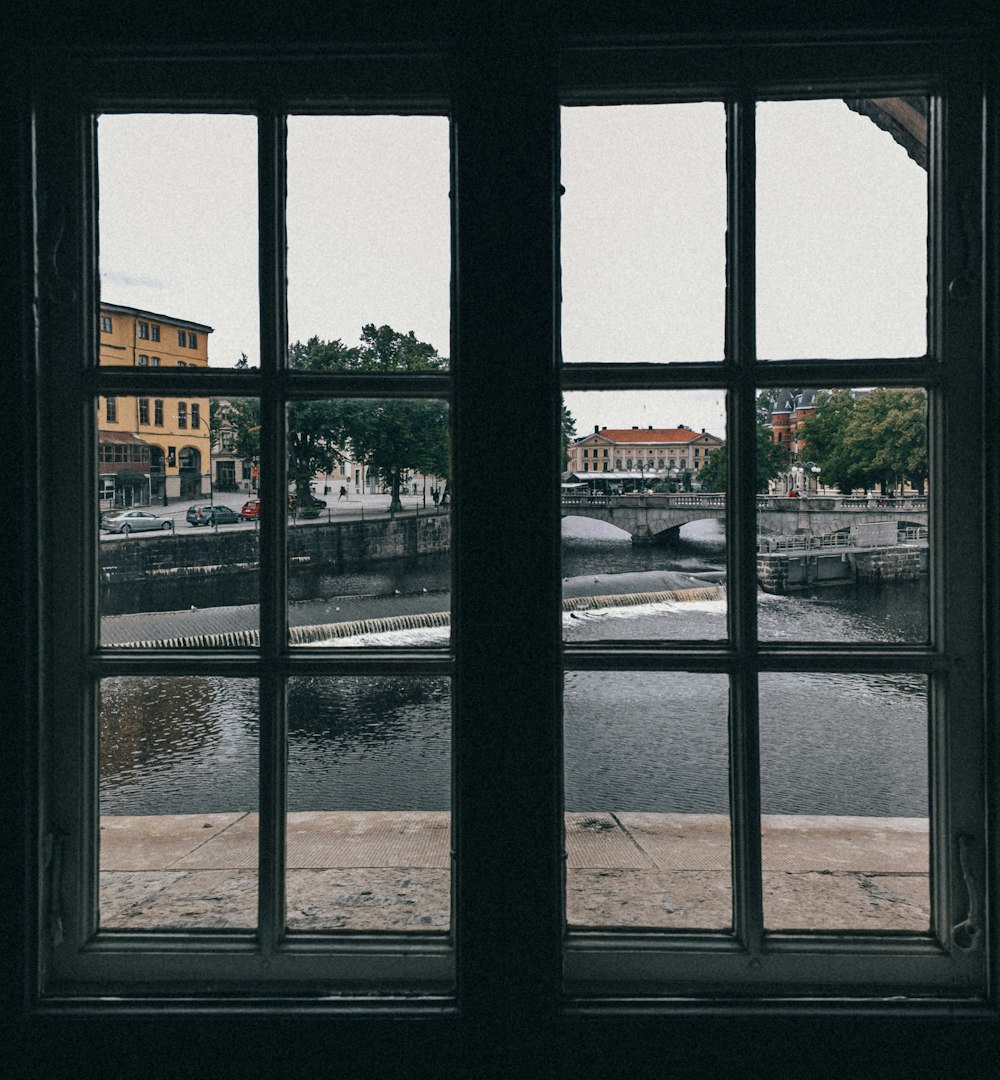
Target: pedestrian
435, 495
343, 493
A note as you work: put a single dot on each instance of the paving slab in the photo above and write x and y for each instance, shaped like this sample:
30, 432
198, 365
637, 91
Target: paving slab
206, 900
369, 898
797, 843
681, 841
232, 848
325, 839
598, 840
155, 842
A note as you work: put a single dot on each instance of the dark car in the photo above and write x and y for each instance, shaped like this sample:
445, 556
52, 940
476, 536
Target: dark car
212, 514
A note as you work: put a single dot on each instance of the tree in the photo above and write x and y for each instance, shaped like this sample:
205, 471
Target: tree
568, 425
389, 435
771, 459
880, 438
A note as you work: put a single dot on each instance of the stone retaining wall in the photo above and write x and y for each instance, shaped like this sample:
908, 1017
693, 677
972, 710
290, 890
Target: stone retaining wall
783, 572
338, 546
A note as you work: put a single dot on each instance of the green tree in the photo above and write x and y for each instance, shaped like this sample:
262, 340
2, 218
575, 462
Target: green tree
887, 436
824, 436
389, 435
771, 459
880, 438
568, 425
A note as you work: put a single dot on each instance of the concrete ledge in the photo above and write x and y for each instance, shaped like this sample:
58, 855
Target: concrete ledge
390, 870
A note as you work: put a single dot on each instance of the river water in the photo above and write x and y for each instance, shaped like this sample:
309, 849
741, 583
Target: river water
830, 744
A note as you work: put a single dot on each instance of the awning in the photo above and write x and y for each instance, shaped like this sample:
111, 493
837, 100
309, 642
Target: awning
126, 437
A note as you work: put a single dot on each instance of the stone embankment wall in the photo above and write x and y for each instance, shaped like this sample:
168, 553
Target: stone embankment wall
338, 546
782, 572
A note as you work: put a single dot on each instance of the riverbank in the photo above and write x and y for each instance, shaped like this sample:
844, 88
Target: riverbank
389, 870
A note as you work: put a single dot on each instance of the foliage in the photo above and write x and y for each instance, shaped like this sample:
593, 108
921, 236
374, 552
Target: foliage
389, 435
880, 438
771, 460
568, 425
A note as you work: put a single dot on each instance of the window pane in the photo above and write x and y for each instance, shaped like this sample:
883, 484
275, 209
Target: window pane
179, 557
370, 537
178, 798
841, 229
842, 518
845, 802
647, 800
643, 504
178, 240
643, 232
369, 792
369, 222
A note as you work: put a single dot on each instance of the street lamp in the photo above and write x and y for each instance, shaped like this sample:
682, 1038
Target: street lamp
815, 470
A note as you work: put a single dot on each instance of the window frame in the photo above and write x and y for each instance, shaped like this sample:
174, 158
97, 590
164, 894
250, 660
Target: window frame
522, 758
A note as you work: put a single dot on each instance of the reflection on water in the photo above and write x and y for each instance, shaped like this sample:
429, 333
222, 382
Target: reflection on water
830, 744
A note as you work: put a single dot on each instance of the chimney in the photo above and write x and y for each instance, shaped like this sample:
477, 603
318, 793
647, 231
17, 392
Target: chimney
596, 429
650, 427
635, 427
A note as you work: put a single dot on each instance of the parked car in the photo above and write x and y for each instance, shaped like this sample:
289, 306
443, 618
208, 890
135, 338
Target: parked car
212, 514
251, 509
134, 521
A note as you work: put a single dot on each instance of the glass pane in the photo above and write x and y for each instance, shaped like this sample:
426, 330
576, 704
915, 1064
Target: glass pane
643, 504
842, 515
179, 561
647, 800
178, 240
841, 228
178, 797
369, 792
369, 227
370, 537
844, 797
643, 232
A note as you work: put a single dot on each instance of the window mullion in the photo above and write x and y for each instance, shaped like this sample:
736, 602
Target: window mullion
273, 561
741, 521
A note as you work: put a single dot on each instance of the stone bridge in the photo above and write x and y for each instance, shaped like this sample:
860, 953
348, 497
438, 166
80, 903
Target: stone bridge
651, 519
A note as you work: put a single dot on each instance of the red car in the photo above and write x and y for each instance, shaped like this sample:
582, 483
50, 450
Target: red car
251, 509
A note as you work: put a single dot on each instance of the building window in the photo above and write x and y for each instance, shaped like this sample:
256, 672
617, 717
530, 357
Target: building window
523, 690
105, 324
143, 410
111, 410
154, 332
195, 414
144, 330
181, 338
143, 361
182, 363
154, 361
192, 340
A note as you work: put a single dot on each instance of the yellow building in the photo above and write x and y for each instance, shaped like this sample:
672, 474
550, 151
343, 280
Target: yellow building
152, 448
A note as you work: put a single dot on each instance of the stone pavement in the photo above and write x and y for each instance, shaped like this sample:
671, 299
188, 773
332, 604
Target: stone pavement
389, 870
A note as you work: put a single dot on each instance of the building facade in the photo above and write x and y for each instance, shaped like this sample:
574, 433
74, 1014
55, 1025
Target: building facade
642, 453
151, 449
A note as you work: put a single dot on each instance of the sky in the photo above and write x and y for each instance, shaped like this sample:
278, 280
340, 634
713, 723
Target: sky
841, 236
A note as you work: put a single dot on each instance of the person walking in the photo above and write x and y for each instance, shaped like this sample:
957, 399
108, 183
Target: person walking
343, 493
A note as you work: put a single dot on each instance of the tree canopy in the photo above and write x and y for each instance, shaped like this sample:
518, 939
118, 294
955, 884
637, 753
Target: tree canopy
770, 458
876, 439
389, 435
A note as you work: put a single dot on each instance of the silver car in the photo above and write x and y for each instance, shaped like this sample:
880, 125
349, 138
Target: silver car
134, 521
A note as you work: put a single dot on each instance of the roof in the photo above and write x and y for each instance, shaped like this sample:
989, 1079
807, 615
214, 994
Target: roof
647, 435
172, 319
128, 437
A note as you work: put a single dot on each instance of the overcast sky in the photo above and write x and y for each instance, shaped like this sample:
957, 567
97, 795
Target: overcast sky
841, 236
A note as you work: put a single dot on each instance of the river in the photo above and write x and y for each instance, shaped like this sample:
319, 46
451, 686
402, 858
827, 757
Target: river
830, 743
